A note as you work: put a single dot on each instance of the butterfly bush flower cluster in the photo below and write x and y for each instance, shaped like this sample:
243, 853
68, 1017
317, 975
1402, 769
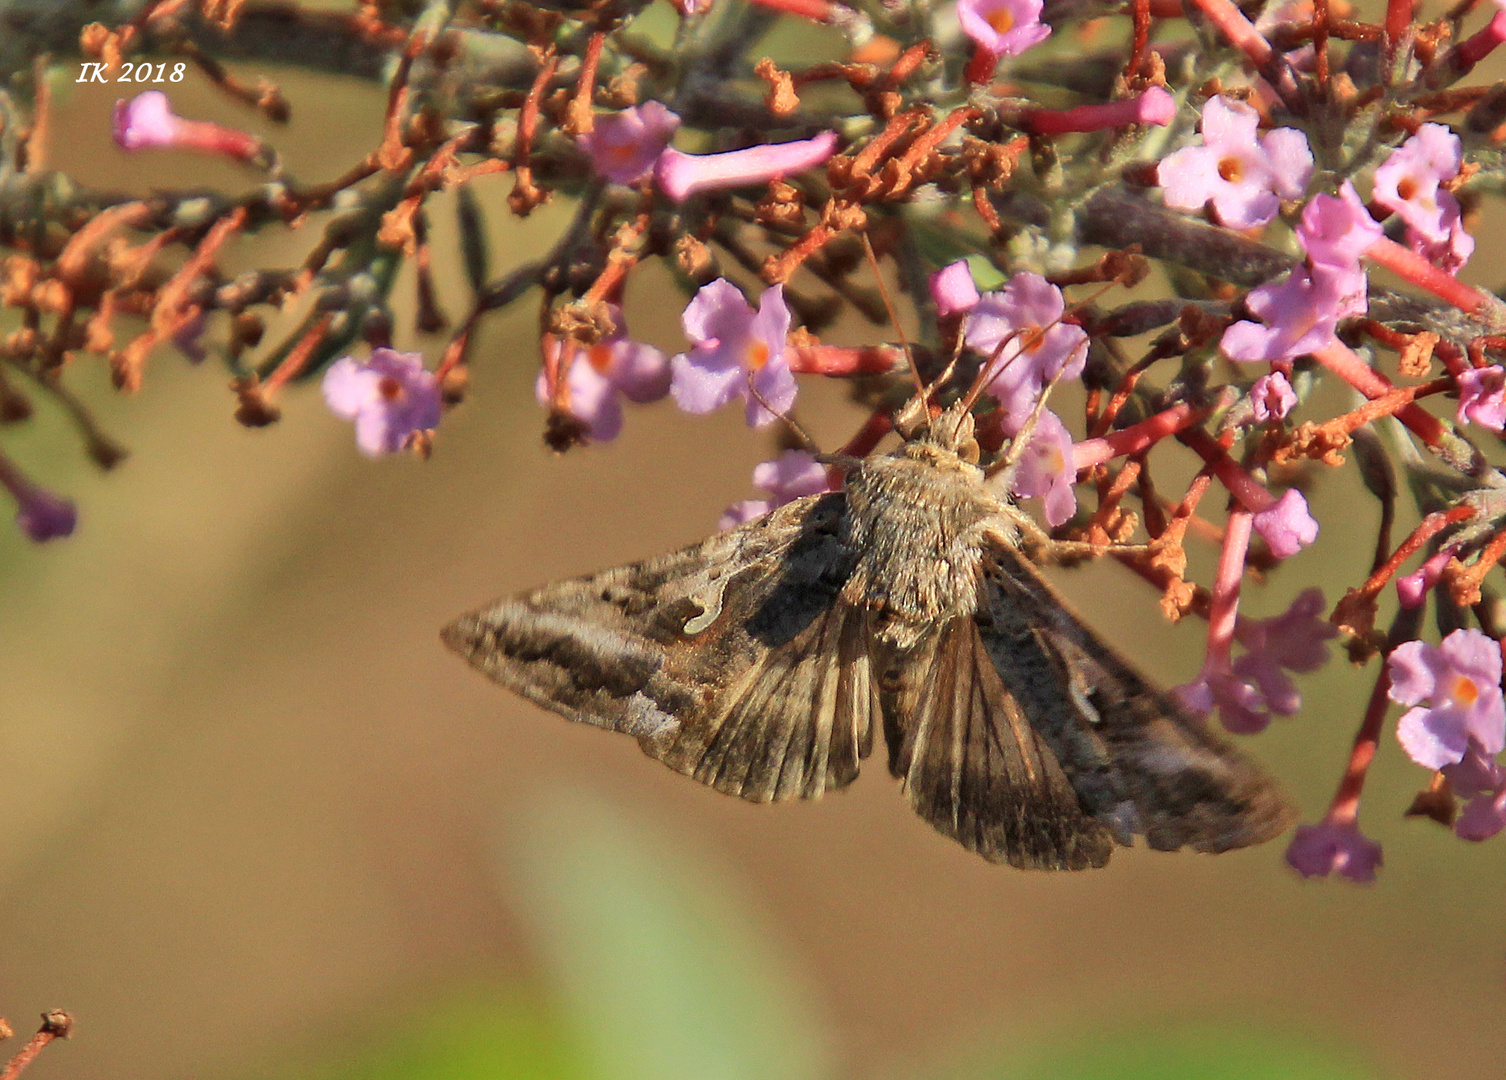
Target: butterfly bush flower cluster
1180, 307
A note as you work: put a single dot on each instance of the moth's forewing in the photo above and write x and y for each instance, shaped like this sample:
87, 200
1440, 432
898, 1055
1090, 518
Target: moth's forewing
731, 661
973, 763
1139, 761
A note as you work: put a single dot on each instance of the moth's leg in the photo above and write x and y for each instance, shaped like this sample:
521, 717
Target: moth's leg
1044, 547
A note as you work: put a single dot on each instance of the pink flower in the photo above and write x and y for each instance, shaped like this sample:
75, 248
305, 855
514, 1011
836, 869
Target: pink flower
1406, 183
953, 290
391, 397
1300, 313
1480, 780
790, 476
1413, 589
1244, 178
147, 121
1460, 679
1002, 27
1337, 229
1021, 323
602, 374
1045, 469
1287, 525
733, 346
1482, 396
624, 146
682, 175
1334, 847
1272, 397
1240, 707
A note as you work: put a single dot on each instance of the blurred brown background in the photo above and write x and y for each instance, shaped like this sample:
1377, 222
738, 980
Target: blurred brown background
252, 810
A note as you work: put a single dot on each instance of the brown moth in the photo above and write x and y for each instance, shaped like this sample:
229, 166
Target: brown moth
761, 660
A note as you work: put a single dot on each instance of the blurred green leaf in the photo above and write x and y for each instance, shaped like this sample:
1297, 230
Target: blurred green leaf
481, 1035
665, 974
1193, 1054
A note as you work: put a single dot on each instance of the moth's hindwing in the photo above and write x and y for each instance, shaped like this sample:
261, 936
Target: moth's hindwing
731, 661
1138, 760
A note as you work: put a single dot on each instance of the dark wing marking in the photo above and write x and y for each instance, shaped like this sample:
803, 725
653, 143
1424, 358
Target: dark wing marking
731, 661
1138, 760
973, 764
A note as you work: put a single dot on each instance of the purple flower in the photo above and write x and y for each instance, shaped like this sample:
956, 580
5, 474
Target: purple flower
733, 345
1272, 397
390, 397
148, 121
1300, 313
953, 290
1244, 178
1334, 847
790, 476
624, 146
40, 514
1045, 469
1286, 524
682, 175
1460, 680
1479, 779
1337, 229
1407, 182
1450, 253
1256, 687
1482, 396
1003, 27
1020, 328
602, 374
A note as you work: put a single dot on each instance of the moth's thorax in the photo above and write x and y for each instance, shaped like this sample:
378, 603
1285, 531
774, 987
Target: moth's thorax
918, 521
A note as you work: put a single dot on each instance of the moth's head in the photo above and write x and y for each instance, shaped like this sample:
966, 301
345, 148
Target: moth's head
950, 430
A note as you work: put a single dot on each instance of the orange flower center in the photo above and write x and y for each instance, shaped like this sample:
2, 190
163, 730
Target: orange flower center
1465, 692
1001, 20
1406, 188
390, 389
600, 356
1032, 338
1231, 169
756, 356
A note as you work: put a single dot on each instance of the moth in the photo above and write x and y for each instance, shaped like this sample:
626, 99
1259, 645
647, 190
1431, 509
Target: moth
764, 660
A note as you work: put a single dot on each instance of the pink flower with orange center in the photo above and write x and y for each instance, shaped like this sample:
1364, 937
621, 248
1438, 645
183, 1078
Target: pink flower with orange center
1455, 690
737, 352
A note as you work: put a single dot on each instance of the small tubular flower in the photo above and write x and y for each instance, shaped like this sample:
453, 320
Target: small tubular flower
790, 476
734, 348
1243, 177
682, 175
624, 146
1021, 327
1455, 690
390, 397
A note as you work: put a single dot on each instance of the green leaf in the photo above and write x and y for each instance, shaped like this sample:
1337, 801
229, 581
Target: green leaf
659, 965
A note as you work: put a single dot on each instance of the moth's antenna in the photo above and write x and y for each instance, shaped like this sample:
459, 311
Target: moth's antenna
806, 442
1021, 438
904, 343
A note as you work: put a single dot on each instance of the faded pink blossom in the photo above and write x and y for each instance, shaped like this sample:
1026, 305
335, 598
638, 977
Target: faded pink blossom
604, 373
682, 175
733, 347
1002, 27
1337, 229
790, 476
1245, 178
390, 397
1299, 314
1272, 397
1459, 680
1020, 330
1407, 182
953, 290
1045, 470
624, 146
1334, 847
1482, 397
1287, 525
